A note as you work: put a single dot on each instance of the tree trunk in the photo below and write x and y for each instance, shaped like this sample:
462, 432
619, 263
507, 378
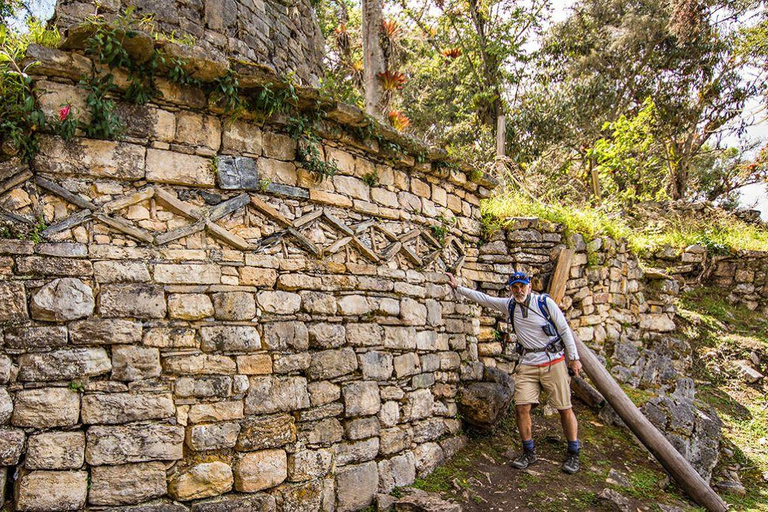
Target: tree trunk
501, 135
373, 57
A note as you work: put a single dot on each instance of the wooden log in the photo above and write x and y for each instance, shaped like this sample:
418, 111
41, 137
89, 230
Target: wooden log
338, 224
230, 238
587, 393
70, 222
65, 194
124, 227
228, 206
11, 182
270, 212
561, 275
120, 203
181, 232
677, 466
174, 204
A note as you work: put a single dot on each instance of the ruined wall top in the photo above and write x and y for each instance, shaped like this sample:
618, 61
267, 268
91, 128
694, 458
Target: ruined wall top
282, 35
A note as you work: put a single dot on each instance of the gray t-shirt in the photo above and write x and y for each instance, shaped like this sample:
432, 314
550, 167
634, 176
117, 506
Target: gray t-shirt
528, 327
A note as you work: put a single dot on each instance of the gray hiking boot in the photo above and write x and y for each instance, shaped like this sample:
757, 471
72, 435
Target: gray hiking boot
527, 458
571, 464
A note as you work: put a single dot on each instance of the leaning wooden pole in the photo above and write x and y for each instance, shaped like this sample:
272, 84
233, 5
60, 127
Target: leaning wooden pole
677, 466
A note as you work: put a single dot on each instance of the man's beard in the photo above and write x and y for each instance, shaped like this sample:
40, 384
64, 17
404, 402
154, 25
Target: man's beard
520, 298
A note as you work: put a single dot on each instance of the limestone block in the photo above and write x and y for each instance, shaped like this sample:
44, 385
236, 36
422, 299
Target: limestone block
187, 274
216, 386
120, 272
362, 428
261, 470
384, 197
291, 363
278, 146
427, 457
64, 364
216, 411
282, 335
406, 365
127, 484
90, 158
14, 301
234, 305
278, 172
33, 339
356, 486
103, 332
213, 436
204, 364
56, 450
395, 440
50, 266
261, 277
202, 481
46, 407
352, 187
226, 338
179, 169
6, 406
331, 199
197, 130
169, 337
11, 446
276, 394
323, 392
397, 471
130, 362
413, 312
364, 335
429, 429
356, 451
112, 445
190, 306
132, 300
328, 364
376, 365
361, 398
658, 323
279, 302
355, 305
49, 491
117, 408
326, 335
241, 137
419, 404
319, 303
309, 464
265, 432
389, 415
400, 338
256, 364
62, 300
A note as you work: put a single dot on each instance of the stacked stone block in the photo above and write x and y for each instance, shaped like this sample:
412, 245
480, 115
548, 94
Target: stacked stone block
203, 324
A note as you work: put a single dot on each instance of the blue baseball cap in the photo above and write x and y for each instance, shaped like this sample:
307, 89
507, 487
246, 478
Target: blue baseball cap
519, 277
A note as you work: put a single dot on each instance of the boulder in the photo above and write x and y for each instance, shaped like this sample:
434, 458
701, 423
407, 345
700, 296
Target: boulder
62, 300
484, 404
417, 500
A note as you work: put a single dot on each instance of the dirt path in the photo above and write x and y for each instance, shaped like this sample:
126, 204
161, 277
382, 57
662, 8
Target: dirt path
480, 478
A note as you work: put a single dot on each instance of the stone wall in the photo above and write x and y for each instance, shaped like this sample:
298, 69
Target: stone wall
194, 318
282, 35
742, 275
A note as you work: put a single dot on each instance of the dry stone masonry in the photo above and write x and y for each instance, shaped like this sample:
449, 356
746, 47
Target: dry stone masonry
203, 325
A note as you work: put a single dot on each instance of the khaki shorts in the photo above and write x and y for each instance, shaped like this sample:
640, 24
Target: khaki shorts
554, 379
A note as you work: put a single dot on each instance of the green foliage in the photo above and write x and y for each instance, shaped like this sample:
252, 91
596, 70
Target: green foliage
371, 178
76, 385
178, 74
105, 124
303, 128
226, 91
630, 162
271, 99
720, 233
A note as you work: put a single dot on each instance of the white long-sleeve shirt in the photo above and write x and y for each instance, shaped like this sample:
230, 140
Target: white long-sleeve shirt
529, 321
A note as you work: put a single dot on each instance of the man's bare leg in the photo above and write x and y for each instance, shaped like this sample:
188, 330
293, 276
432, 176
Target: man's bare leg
568, 420
528, 457
523, 414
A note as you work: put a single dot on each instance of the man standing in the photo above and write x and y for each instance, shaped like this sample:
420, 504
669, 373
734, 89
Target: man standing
543, 339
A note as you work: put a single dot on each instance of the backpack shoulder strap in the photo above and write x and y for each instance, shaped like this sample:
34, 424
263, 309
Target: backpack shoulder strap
511, 308
544, 308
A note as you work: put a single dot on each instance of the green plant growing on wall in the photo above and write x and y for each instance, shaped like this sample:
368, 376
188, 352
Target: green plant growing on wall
303, 128
104, 122
20, 115
274, 99
226, 93
371, 178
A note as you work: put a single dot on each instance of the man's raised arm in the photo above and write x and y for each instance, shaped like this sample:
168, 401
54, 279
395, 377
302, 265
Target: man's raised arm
496, 303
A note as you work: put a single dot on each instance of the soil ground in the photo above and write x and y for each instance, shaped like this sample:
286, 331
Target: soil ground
481, 479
